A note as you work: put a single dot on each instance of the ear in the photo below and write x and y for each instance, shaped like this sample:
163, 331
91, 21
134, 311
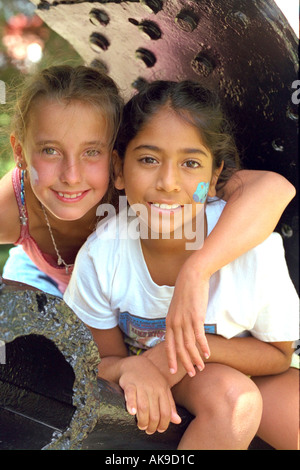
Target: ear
18, 151
212, 186
118, 171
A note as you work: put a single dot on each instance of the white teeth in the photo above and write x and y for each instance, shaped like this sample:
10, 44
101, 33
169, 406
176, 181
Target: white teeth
69, 196
166, 206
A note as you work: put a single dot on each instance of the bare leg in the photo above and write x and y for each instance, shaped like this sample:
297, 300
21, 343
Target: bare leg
280, 419
227, 407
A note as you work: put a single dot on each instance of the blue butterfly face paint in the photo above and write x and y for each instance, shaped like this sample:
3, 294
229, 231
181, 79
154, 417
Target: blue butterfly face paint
201, 193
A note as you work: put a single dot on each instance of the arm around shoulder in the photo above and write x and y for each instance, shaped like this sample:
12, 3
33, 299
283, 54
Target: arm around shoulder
271, 181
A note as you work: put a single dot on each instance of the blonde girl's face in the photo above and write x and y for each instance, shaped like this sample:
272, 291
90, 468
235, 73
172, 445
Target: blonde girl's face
67, 157
164, 167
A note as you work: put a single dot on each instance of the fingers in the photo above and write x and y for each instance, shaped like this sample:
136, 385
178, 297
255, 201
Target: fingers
201, 340
187, 342
153, 411
170, 347
168, 412
130, 399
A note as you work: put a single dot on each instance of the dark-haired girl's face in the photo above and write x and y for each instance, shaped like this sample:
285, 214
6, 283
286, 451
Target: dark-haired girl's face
167, 167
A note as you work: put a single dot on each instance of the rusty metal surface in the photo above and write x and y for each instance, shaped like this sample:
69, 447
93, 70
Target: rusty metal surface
245, 49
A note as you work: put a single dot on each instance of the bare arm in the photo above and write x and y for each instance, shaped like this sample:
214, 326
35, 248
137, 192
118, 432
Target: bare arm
256, 201
248, 355
9, 213
147, 393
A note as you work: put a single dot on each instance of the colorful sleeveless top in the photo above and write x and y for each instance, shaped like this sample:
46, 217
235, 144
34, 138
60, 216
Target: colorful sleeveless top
42, 260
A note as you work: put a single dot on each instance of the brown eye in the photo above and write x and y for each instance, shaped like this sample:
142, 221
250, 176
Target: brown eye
192, 164
148, 160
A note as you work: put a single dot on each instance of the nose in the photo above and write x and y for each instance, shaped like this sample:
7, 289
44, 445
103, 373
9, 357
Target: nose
168, 178
71, 171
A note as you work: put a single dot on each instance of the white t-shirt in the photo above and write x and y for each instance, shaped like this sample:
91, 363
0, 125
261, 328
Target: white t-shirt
111, 286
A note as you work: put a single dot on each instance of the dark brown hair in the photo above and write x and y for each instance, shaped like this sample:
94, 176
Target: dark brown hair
198, 105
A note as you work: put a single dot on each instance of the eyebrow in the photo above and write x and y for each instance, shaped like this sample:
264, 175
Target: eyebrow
188, 150
91, 142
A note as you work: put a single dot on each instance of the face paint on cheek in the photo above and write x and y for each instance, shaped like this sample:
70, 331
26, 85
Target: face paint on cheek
33, 174
201, 193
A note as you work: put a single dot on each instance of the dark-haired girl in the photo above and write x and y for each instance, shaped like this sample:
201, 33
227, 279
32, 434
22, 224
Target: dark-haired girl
173, 151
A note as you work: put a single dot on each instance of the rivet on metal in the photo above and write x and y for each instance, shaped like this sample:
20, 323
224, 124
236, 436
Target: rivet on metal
98, 17
98, 41
146, 56
186, 20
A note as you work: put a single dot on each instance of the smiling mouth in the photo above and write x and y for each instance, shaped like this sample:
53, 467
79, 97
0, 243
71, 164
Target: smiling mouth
166, 206
170, 207
69, 196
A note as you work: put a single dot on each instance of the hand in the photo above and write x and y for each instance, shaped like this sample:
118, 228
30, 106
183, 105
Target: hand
185, 320
147, 395
157, 355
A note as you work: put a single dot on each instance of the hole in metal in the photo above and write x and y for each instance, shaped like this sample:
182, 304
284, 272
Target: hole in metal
146, 56
278, 145
186, 20
139, 83
202, 64
98, 41
151, 29
154, 5
286, 231
98, 17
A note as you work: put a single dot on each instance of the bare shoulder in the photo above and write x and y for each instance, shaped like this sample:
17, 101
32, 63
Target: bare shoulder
9, 212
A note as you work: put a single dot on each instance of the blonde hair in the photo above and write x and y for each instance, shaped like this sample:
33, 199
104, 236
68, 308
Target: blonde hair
66, 83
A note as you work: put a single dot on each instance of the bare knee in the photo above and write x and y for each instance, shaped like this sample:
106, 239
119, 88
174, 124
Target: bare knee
227, 407
238, 393
236, 409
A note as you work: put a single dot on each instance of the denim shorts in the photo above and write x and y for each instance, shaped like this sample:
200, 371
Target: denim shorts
19, 267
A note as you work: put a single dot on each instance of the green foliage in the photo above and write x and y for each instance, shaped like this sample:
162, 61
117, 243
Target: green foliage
56, 51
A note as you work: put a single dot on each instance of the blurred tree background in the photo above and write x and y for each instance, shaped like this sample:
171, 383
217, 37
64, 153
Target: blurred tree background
27, 44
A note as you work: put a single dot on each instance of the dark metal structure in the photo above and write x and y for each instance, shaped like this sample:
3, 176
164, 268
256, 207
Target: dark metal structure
50, 396
244, 48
